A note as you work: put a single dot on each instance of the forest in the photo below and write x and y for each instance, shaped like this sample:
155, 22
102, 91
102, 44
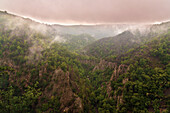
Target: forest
127, 73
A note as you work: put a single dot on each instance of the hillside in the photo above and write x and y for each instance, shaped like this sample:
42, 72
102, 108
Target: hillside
76, 42
113, 45
45, 71
25, 26
121, 43
55, 69
137, 81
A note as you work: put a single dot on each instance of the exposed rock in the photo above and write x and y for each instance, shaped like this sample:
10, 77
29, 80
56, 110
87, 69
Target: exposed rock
109, 88
125, 80
90, 62
118, 70
68, 99
104, 64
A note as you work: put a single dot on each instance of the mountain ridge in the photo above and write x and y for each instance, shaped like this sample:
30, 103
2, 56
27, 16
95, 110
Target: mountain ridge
41, 73
97, 31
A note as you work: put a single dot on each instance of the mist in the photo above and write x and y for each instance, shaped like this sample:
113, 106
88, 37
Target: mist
90, 11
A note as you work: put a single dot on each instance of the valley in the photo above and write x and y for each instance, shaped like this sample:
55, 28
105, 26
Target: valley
117, 68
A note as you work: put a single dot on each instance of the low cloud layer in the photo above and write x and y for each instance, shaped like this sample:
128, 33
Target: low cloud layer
91, 11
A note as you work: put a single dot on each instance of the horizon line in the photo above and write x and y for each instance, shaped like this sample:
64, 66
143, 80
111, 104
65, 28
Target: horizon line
78, 24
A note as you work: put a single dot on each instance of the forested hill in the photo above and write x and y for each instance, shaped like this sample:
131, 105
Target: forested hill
113, 45
137, 81
24, 26
121, 43
42, 72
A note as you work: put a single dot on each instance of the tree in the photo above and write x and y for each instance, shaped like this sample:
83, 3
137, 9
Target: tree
11, 103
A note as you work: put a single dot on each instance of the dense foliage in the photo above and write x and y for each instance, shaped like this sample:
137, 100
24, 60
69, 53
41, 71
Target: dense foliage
39, 74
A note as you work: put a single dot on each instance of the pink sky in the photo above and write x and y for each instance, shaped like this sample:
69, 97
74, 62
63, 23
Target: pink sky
90, 11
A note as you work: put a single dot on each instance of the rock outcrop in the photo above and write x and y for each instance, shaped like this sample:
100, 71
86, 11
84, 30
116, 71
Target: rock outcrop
61, 84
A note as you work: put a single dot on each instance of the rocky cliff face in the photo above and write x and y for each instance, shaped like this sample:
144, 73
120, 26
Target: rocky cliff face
62, 85
103, 64
117, 71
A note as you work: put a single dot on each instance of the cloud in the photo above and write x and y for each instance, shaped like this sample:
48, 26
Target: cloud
91, 11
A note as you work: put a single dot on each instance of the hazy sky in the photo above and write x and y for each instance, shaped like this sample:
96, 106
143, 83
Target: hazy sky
90, 11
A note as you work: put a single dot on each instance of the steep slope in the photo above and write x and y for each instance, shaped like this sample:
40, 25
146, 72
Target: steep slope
77, 42
137, 81
126, 40
113, 45
33, 59
40, 73
144, 86
21, 26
